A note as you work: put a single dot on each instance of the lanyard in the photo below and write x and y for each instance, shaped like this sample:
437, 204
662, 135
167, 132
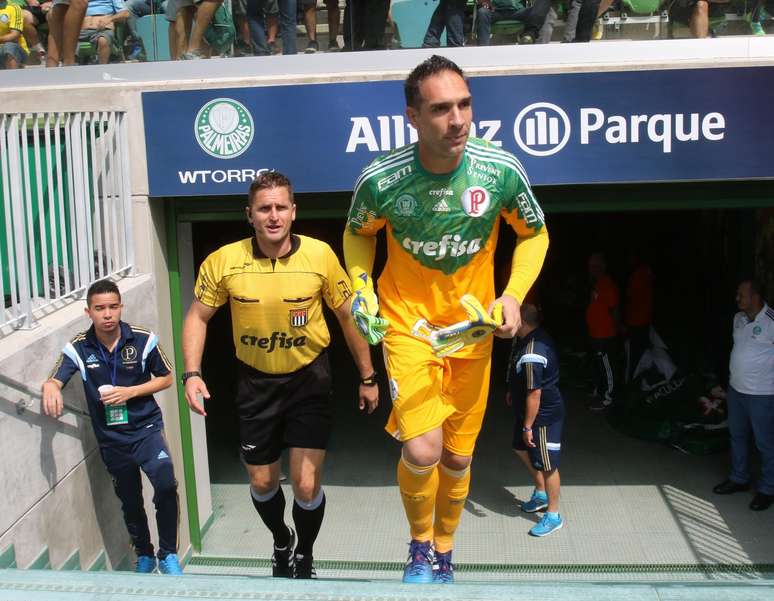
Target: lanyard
107, 362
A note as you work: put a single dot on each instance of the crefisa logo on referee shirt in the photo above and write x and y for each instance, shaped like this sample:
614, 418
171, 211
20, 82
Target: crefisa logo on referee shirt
224, 128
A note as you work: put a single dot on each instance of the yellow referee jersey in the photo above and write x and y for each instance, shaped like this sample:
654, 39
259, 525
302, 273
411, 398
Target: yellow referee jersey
276, 308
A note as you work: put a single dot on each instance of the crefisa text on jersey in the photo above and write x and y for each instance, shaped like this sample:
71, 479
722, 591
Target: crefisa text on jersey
276, 340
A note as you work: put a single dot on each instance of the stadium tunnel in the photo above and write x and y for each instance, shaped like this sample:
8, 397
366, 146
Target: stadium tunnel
698, 238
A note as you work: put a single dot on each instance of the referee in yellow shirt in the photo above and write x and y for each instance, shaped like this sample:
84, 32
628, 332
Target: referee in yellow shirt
275, 283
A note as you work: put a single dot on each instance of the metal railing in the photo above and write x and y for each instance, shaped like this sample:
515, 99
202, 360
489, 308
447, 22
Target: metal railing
31, 397
67, 218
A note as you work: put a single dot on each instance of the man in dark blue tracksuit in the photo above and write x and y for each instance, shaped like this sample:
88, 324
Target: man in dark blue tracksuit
533, 379
121, 367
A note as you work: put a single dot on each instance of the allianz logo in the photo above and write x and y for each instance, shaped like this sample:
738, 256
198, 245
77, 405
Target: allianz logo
448, 246
543, 128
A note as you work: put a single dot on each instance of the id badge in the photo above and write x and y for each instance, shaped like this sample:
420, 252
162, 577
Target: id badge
115, 415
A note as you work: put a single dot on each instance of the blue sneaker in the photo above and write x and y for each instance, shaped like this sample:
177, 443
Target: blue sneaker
146, 564
135, 54
170, 565
538, 502
549, 524
419, 567
443, 572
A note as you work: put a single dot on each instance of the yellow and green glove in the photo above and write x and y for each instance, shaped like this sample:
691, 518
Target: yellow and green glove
476, 328
365, 307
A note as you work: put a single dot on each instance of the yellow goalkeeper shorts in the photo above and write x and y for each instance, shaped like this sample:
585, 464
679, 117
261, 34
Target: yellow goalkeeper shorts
428, 392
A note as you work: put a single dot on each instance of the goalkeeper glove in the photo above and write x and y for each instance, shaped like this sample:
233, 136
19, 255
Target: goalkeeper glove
364, 309
476, 328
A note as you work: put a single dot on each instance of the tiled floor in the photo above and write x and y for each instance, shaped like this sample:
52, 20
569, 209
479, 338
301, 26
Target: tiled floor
631, 508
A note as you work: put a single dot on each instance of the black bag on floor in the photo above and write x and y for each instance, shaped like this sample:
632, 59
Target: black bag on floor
653, 414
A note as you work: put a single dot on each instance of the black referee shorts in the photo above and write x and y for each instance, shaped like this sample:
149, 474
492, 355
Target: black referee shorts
278, 411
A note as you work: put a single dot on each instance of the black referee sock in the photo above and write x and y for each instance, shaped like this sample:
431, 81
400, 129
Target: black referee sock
308, 519
272, 512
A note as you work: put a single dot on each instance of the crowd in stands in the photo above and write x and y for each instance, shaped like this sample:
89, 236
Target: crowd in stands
65, 32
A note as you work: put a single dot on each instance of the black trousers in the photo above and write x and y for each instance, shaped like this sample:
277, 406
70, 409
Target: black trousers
586, 18
606, 363
364, 24
124, 462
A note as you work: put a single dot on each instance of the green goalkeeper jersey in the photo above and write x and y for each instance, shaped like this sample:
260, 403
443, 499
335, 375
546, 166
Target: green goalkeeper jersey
441, 229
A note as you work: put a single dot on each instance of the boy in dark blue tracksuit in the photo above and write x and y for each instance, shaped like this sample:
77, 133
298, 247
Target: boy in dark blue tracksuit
121, 367
533, 377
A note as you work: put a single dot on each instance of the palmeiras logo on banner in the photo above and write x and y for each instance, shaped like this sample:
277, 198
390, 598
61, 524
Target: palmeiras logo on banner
224, 128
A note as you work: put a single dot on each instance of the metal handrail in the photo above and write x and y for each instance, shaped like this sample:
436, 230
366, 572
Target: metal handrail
65, 208
22, 405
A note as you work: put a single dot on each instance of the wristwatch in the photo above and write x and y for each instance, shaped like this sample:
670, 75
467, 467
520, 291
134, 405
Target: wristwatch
369, 380
526, 429
189, 374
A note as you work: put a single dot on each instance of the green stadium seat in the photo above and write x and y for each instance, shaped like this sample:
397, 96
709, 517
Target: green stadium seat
640, 7
411, 18
146, 26
648, 13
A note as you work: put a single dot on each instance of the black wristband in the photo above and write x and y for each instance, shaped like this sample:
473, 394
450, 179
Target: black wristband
370, 380
189, 374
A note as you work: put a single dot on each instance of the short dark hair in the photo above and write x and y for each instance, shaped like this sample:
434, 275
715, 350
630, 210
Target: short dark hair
755, 286
267, 180
433, 65
102, 287
530, 315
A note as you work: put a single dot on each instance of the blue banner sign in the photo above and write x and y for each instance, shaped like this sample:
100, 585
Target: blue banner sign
577, 128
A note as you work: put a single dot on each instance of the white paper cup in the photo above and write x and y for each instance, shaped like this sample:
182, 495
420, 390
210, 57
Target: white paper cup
104, 389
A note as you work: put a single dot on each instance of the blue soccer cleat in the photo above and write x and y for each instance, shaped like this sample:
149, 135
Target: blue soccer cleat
146, 564
419, 567
538, 502
550, 523
443, 573
170, 565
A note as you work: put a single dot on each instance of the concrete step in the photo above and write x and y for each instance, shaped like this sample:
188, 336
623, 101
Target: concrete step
47, 585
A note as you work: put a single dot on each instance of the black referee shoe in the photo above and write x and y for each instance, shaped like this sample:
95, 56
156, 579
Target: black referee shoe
729, 487
761, 502
282, 559
303, 567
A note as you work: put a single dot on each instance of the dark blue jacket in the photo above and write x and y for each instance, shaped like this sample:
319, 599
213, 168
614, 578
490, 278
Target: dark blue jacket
534, 364
135, 358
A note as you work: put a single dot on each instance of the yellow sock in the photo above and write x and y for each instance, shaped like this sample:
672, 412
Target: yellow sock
453, 487
418, 485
